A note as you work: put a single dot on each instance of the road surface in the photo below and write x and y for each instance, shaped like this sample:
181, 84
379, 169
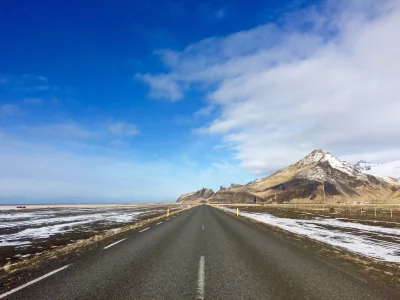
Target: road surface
203, 253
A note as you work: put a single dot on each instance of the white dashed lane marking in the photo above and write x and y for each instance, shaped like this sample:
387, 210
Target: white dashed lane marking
114, 243
33, 281
201, 279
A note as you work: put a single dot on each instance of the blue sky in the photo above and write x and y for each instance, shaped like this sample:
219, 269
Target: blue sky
133, 101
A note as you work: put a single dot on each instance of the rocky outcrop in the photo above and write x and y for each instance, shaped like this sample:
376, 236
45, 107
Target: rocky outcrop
234, 196
203, 193
236, 186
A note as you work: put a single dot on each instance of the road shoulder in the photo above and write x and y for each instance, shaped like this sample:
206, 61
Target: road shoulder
381, 273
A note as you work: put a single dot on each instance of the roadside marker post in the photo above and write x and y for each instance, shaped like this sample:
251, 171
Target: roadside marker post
237, 211
167, 212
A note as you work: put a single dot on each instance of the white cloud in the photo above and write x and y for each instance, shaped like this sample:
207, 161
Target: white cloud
205, 111
45, 172
59, 131
117, 143
219, 14
160, 85
35, 101
192, 163
35, 171
328, 79
123, 129
9, 110
72, 133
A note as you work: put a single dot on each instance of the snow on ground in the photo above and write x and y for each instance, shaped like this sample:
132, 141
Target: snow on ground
374, 241
34, 220
22, 228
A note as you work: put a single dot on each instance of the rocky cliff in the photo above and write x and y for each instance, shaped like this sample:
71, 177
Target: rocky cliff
203, 193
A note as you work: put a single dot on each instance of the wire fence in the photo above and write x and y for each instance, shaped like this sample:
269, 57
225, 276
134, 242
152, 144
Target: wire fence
377, 211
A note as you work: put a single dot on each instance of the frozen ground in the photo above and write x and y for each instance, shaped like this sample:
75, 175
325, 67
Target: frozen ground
29, 232
377, 242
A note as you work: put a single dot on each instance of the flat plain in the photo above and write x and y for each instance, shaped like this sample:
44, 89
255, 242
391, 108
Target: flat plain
30, 231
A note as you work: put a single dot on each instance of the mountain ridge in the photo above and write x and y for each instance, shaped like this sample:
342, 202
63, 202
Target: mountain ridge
309, 179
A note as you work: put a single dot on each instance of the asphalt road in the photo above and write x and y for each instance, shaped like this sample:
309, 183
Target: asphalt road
203, 253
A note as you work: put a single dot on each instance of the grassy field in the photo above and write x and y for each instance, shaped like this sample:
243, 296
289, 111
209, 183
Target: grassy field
382, 212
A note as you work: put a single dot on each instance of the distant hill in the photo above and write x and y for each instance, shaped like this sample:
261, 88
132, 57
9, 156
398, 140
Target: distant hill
196, 196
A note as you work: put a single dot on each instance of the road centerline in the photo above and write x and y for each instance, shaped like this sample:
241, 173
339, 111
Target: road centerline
33, 281
201, 279
144, 229
113, 244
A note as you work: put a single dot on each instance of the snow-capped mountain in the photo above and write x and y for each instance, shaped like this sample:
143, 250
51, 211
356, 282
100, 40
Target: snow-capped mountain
309, 177
389, 169
321, 163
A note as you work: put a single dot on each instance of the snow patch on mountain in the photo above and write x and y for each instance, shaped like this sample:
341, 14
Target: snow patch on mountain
319, 172
340, 165
311, 159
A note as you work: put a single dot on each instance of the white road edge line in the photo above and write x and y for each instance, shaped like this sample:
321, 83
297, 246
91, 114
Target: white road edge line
144, 229
159, 223
201, 279
32, 282
114, 243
